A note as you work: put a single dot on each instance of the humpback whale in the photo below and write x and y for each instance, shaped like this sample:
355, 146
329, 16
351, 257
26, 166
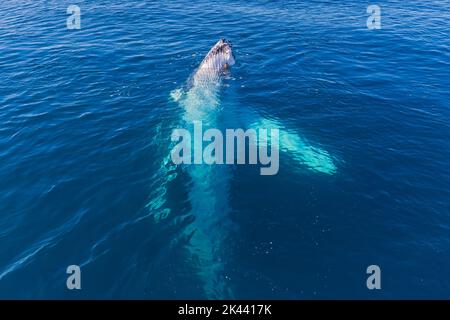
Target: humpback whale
199, 100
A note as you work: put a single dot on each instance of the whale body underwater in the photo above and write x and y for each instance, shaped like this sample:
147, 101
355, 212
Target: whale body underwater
209, 230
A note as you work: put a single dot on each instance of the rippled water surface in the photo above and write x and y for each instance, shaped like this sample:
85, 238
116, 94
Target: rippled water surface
86, 117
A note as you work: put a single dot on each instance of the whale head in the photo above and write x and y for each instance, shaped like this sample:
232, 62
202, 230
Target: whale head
220, 56
224, 49
218, 59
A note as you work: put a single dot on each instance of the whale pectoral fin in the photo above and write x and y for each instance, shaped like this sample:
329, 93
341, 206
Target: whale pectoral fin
315, 159
290, 142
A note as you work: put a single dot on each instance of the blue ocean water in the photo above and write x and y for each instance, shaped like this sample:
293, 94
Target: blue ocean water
86, 117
